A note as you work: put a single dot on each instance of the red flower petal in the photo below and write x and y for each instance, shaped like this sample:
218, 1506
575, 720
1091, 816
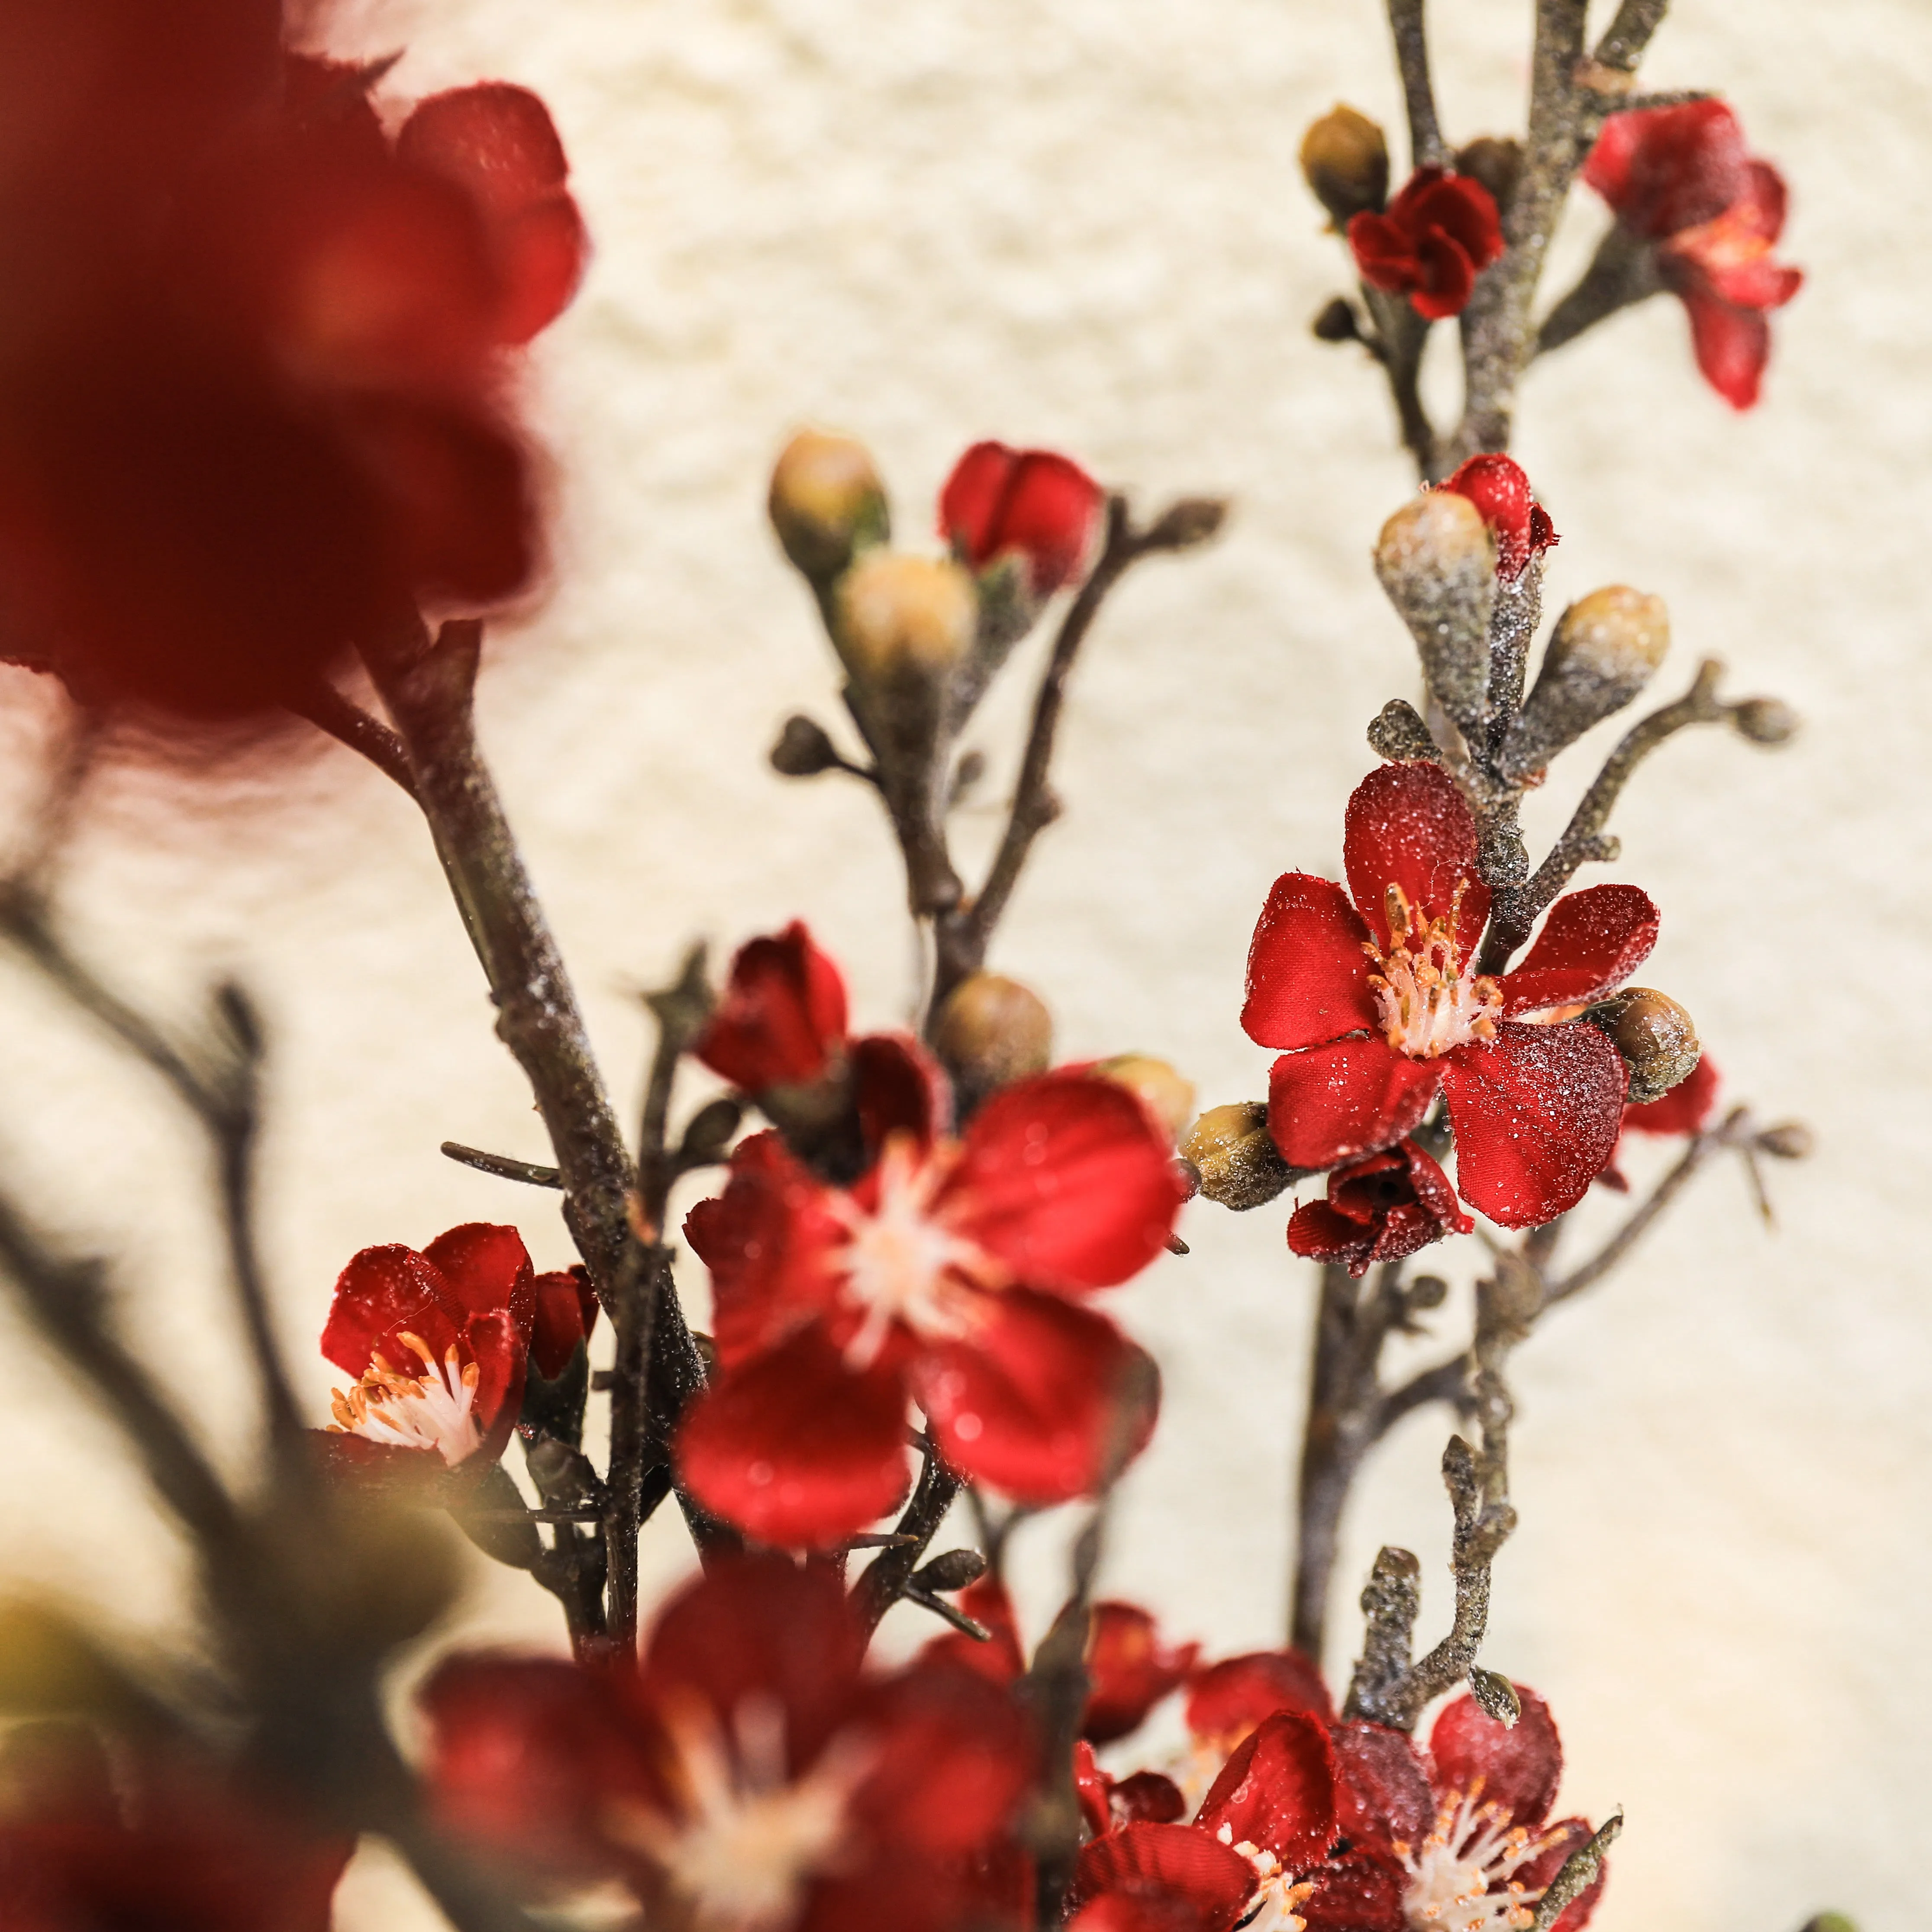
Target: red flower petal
1148, 1797
1571, 1835
1066, 1180
1033, 501
1519, 1766
1334, 1101
1129, 1670
1384, 256
566, 1312
1664, 169
486, 1268
1149, 1864
1446, 279
1360, 1890
1591, 942
1496, 485
1683, 1110
970, 502
1536, 1113
499, 143
1407, 826
1458, 206
767, 1240
1277, 1791
795, 1448
1031, 1402
898, 1088
1308, 978
782, 1016
1227, 1700
1732, 346
1383, 1792
382, 1291
1318, 1233
763, 1628
500, 1346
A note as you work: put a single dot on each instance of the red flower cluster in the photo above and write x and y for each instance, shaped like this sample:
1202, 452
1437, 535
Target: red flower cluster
1386, 1205
1679, 177
748, 1773
1376, 1007
1497, 486
1348, 1828
439, 1341
251, 390
1439, 234
1031, 504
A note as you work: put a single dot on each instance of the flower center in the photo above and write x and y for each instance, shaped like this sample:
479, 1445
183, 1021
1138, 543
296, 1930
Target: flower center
430, 1407
903, 1262
1427, 1000
1453, 1874
1271, 1908
748, 1840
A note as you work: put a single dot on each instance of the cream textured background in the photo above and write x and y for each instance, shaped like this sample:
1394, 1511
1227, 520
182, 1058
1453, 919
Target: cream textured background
1079, 223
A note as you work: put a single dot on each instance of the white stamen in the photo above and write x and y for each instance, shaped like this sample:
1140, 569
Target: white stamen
1271, 1908
432, 1407
1471, 1850
905, 1262
1428, 1001
741, 1853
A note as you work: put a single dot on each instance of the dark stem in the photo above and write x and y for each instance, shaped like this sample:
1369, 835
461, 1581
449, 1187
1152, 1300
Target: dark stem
888, 1574
326, 708
1401, 334
501, 1165
1411, 57
1327, 1463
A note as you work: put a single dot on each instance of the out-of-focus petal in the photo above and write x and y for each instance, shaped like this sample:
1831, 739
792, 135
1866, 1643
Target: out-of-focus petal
1277, 1791
1519, 1766
782, 1017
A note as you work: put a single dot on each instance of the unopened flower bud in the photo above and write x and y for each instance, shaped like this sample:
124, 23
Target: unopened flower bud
1829, 1922
1437, 561
803, 750
1496, 163
904, 620
1165, 1095
1337, 321
1231, 1150
1653, 1036
992, 1031
1789, 1140
1345, 161
1397, 732
1604, 650
951, 1570
826, 502
1764, 721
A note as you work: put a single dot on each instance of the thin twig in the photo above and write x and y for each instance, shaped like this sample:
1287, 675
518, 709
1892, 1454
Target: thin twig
501, 1165
887, 1576
330, 711
1411, 57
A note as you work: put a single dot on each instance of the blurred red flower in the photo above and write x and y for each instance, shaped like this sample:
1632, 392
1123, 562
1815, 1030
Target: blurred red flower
1029, 504
1497, 486
1381, 1207
1439, 234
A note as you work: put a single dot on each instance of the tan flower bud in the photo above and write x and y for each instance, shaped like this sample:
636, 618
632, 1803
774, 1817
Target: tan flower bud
1165, 1095
1789, 1140
1604, 650
902, 620
1437, 561
1655, 1037
1764, 721
1496, 163
992, 1031
826, 502
1345, 160
1231, 1150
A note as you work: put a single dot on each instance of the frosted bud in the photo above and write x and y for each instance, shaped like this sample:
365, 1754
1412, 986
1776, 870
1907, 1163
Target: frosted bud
1231, 1150
1764, 721
826, 502
1653, 1036
1437, 561
991, 1032
900, 620
1604, 650
1164, 1093
1345, 161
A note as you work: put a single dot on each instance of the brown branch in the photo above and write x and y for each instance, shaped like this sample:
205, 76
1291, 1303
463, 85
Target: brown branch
502, 1166
887, 1576
1623, 271
1517, 909
327, 708
1425, 146
427, 689
1574, 1875
1629, 34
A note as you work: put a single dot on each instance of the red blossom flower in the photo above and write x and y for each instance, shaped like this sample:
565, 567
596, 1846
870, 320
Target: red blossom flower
251, 392
1348, 1828
1680, 178
164, 1843
1030, 504
1497, 486
1439, 233
749, 1776
782, 1019
1376, 1007
953, 1272
439, 1341
1385, 1205
563, 1313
